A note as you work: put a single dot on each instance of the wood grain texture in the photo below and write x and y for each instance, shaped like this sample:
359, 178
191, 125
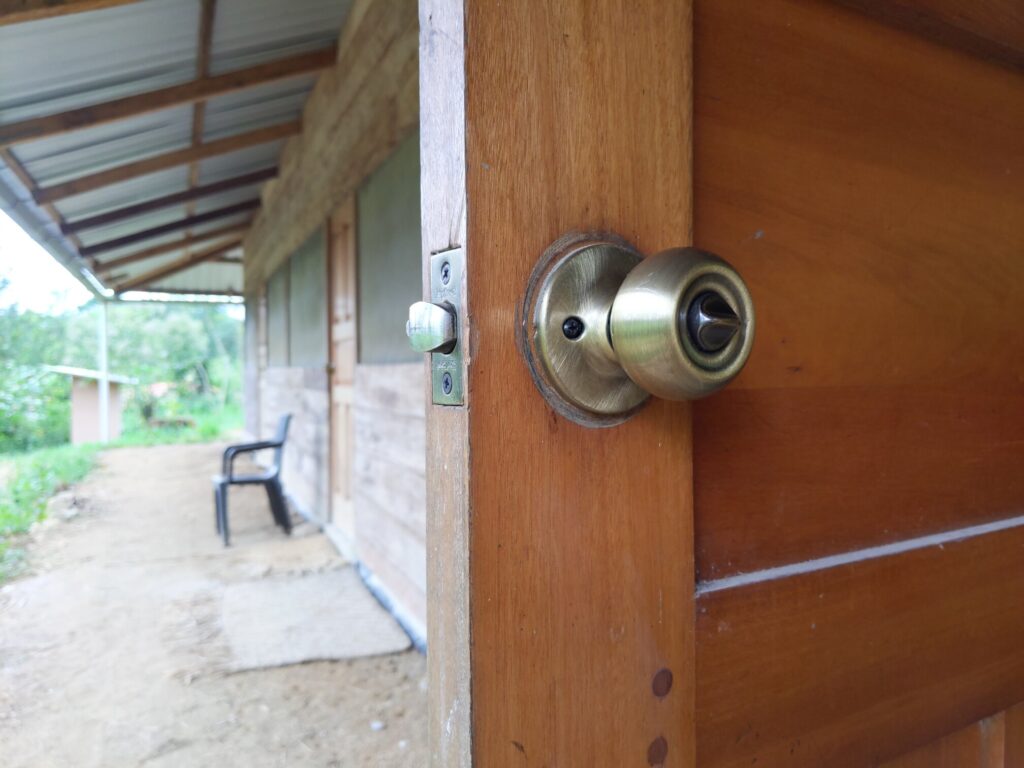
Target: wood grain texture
173, 159
389, 490
869, 186
443, 226
1014, 748
581, 567
861, 663
991, 29
981, 745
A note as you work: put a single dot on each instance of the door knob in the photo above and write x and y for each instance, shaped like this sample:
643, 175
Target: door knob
604, 328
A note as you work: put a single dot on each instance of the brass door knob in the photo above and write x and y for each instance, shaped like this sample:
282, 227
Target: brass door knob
604, 328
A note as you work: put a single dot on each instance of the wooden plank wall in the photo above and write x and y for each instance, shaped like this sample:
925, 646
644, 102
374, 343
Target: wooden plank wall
356, 115
390, 491
303, 393
869, 185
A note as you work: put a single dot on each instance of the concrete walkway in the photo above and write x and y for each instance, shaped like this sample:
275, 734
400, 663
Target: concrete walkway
112, 651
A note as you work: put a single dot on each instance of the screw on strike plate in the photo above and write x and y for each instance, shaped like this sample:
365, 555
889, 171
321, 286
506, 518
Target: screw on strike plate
446, 273
446, 383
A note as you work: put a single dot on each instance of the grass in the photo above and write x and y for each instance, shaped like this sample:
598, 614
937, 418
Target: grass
30, 480
208, 426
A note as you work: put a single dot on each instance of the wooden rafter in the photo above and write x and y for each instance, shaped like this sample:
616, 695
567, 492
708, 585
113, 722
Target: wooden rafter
174, 226
178, 265
166, 201
169, 160
192, 92
204, 50
17, 11
106, 268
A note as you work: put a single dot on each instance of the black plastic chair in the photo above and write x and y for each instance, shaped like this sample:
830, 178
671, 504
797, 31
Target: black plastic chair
271, 480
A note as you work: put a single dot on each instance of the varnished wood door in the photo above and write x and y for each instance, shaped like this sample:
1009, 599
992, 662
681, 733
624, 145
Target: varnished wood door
828, 556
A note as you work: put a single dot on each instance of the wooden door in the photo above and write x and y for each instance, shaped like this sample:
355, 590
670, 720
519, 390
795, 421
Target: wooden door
342, 306
828, 556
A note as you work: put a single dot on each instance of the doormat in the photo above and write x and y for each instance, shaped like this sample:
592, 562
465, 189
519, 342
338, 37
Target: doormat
323, 616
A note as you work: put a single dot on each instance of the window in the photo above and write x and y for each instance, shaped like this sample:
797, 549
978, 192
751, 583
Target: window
388, 235
277, 317
307, 315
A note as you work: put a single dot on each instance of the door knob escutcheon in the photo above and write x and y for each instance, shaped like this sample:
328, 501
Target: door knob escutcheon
603, 328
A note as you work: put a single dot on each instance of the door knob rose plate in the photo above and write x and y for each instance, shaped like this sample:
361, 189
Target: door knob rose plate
602, 328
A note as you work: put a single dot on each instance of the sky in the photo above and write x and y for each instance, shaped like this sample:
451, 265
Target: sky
37, 281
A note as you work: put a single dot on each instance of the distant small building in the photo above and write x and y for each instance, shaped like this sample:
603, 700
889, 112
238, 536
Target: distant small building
85, 403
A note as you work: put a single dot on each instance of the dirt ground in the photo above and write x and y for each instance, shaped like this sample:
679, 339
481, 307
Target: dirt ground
111, 654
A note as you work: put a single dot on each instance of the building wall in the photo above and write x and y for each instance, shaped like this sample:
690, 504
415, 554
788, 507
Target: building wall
251, 369
390, 488
354, 125
305, 472
295, 378
357, 114
85, 411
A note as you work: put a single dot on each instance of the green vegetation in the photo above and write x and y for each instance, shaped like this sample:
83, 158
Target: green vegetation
185, 358
26, 483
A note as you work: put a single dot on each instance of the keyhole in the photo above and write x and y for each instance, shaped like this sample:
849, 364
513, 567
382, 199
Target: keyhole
711, 322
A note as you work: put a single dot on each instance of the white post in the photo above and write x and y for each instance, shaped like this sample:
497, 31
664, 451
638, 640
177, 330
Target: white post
104, 382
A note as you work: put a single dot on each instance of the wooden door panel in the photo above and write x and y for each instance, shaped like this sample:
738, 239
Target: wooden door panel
582, 550
788, 475
1014, 749
869, 185
982, 745
849, 665
989, 29
577, 542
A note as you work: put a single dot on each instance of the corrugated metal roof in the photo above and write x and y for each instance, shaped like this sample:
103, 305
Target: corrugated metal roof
53, 65
56, 64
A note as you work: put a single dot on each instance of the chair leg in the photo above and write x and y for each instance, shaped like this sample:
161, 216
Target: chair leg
216, 507
222, 510
278, 506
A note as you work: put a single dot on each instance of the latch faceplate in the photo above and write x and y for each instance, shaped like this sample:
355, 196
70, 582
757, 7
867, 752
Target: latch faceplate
434, 327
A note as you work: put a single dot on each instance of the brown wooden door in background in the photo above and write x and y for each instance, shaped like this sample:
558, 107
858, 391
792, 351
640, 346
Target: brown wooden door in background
840, 581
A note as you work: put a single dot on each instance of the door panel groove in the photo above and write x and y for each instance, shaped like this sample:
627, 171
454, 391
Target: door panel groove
857, 556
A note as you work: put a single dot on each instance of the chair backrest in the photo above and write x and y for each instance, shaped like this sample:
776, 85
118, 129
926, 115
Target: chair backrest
279, 437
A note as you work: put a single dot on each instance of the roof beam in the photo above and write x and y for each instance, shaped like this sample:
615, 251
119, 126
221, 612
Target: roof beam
179, 265
187, 223
167, 201
193, 91
204, 49
105, 268
17, 11
169, 160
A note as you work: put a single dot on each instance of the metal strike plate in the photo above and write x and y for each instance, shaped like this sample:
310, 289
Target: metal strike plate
446, 269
